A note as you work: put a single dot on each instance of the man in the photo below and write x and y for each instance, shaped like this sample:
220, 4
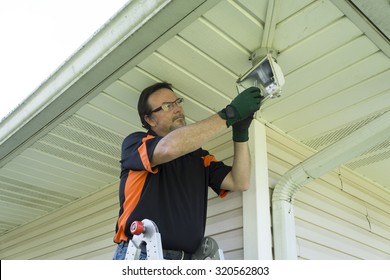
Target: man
165, 172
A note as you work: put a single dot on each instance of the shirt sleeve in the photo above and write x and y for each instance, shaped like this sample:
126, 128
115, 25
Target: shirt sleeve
217, 171
137, 151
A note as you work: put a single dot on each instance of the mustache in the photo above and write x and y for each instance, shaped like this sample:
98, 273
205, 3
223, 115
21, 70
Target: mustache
179, 116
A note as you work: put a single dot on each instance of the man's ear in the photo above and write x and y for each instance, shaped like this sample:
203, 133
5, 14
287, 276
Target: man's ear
150, 120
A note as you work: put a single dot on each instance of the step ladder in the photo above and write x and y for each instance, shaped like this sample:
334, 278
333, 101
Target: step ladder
146, 234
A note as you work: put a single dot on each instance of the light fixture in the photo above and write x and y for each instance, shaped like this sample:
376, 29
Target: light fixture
265, 74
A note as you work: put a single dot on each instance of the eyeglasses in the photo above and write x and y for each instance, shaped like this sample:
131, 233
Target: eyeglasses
168, 106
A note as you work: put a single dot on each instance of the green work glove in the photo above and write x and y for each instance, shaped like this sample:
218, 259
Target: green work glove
242, 106
241, 129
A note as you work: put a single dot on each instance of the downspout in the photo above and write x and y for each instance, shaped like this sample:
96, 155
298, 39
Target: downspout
312, 168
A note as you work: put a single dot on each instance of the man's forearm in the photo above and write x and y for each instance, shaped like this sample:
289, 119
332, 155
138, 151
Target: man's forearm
241, 168
187, 139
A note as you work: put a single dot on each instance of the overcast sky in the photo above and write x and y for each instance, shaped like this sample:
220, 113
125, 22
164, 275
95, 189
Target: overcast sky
37, 36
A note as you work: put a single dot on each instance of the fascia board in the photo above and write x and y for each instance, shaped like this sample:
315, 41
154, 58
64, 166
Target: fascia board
128, 38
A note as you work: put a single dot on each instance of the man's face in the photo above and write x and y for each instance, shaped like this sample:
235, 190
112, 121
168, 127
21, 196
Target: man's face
162, 122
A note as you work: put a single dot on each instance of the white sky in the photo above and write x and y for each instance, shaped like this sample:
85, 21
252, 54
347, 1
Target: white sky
37, 36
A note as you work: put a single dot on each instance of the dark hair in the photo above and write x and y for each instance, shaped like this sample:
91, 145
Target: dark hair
143, 105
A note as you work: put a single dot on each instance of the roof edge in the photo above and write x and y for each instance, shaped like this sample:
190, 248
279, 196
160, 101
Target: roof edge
129, 36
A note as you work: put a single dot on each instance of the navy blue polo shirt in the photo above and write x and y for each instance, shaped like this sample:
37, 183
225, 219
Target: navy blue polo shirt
173, 194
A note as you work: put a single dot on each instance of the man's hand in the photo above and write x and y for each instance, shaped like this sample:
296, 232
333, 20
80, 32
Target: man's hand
242, 106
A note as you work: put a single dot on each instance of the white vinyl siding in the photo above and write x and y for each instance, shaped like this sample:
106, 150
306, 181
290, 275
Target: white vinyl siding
83, 229
224, 215
339, 216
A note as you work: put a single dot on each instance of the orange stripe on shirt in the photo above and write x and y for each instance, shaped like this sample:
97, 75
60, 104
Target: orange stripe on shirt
143, 153
207, 160
133, 189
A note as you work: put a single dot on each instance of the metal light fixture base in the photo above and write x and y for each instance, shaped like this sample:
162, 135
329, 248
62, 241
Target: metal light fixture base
265, 74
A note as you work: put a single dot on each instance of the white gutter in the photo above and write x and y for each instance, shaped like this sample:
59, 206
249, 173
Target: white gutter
130, 19
315, 166
133, 34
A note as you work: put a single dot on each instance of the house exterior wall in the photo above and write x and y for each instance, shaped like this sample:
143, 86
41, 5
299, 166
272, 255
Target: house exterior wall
340, 216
